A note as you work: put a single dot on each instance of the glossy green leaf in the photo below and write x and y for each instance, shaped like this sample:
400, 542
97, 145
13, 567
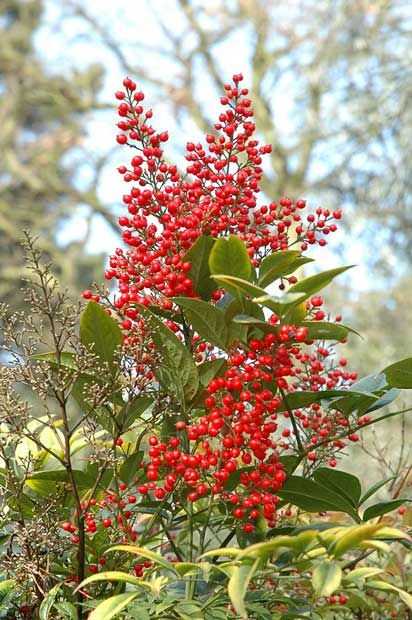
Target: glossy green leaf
384, 400
48, 602
99, 332
326, 578
280, 264
206, 319
324, 330
279, 305
340, 482
111, 607
130, 467
198, 256
314, 497
313, 284
399, 375
211, 369
177, 372
382, 508
296, 400
60, 475
133, 410
229, 256
374, 489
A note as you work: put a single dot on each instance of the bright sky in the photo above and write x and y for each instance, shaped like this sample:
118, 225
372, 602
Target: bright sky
69, 46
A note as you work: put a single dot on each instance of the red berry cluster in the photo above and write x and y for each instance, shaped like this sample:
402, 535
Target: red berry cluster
244, 423
240, 425
168, 211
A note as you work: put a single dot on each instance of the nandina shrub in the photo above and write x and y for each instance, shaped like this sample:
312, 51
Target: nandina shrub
201, 403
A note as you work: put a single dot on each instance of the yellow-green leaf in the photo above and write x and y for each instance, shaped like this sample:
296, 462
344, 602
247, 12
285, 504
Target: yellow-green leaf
111, 607
326, 578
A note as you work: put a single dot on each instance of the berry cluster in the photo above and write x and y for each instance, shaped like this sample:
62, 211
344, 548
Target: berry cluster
217, 196
244, 425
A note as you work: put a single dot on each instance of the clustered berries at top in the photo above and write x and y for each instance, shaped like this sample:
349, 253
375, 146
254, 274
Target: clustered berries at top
245, 423
217, 195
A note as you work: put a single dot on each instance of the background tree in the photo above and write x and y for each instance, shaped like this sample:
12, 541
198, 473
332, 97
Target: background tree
42, 117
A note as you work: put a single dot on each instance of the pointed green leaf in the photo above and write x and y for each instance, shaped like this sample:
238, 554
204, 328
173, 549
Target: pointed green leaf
323, 330
382, 508
145, 553
229, 256
399, 375
311, 285
99, 332
48, 602
340, 482
111, 607
280, 264
374, 489
115, 575
130, 467
67, 359
239, 583
177, 373
314, 497
206, 319
198, 256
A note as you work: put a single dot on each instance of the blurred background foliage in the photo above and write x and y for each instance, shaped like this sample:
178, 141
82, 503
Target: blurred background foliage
331, 81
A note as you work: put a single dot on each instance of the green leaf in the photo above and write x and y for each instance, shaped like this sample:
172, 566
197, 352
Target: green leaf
99, 332
230, 257
145, 553
60, 475
210, 370
399, 375
385, 586
314, 497
115, 575
177, 373
341, 482
206, 319
239, 583
198, 256
362, 573
374, 489
280, 264
187, 610
296, 400
382, 508
323, 330
48, 602
133, 410
67, 359
112, 606
130, 466
384, 400
313, 284
326, 578
67, 610
279, 305
352, 538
